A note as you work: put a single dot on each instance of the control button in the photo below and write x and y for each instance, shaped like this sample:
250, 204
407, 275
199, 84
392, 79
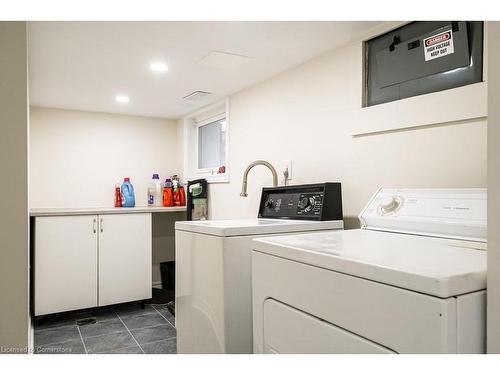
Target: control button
390, 204
269, 203
303, 203
310, 205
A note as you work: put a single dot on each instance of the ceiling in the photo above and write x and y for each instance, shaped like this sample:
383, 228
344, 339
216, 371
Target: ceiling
84, 65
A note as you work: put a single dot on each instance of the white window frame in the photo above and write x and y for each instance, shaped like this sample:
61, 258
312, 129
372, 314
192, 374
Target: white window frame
192, 123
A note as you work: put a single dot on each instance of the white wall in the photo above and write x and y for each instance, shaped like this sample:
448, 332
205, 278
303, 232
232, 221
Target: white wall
76, 157
14, 218
308, 114
493, 333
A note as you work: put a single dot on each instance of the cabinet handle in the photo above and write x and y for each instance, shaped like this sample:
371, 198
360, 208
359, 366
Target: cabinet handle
101, 225
94, 225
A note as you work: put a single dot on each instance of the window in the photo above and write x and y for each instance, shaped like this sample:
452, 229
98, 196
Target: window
212, 144
206, 143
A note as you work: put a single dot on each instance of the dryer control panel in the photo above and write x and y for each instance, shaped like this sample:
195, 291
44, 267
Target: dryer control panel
302, 202
448, 213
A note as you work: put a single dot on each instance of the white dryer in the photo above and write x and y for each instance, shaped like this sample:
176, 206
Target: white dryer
411, 280
213, 264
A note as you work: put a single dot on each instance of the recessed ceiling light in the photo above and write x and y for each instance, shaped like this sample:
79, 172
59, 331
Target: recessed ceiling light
158, 67
122, 98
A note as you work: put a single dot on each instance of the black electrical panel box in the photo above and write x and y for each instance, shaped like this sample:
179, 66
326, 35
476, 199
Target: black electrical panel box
423, 57
302, 202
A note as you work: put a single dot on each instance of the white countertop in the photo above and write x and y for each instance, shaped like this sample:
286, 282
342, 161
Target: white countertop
101, 210
435, 266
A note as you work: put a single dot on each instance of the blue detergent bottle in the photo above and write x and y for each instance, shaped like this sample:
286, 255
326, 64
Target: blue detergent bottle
128, 193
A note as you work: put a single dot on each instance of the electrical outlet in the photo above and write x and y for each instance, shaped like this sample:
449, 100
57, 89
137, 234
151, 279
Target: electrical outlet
287, 165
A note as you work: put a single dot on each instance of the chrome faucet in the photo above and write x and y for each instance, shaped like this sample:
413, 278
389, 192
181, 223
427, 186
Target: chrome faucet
253, 164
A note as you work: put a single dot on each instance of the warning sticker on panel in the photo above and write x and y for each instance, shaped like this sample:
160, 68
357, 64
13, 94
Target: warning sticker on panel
438, 45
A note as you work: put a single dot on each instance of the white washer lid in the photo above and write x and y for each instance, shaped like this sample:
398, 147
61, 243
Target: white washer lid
448, 213
434, 266
248, 227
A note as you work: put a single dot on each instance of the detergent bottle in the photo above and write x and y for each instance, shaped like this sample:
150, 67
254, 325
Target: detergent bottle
118, 195
154, 191
182, 195
128, 193
168, 197
176, 192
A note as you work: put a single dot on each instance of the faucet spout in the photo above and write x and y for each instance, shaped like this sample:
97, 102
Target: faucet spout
250, 166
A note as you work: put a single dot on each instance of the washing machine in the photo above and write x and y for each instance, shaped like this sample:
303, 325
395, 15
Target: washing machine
411, 280
213, 264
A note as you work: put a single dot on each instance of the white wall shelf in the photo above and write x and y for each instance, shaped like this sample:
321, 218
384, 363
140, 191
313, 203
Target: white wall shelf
458, 104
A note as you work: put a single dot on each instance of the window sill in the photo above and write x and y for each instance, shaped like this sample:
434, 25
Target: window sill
212, 178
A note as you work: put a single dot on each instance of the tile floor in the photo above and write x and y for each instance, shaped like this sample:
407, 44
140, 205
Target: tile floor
120, 329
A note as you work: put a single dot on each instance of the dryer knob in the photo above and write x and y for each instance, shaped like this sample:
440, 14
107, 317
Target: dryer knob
303, 203
389, 204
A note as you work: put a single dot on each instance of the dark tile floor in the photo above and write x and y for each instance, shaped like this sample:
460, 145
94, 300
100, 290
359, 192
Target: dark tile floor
120, 329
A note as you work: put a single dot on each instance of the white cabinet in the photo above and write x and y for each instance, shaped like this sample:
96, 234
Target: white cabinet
65, 263
125, 260
91, 260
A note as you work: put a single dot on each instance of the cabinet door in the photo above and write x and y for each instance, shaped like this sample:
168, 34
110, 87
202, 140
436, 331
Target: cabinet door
125, 259
65, 263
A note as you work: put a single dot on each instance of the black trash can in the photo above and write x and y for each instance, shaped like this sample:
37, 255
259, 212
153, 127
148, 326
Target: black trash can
167, 271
